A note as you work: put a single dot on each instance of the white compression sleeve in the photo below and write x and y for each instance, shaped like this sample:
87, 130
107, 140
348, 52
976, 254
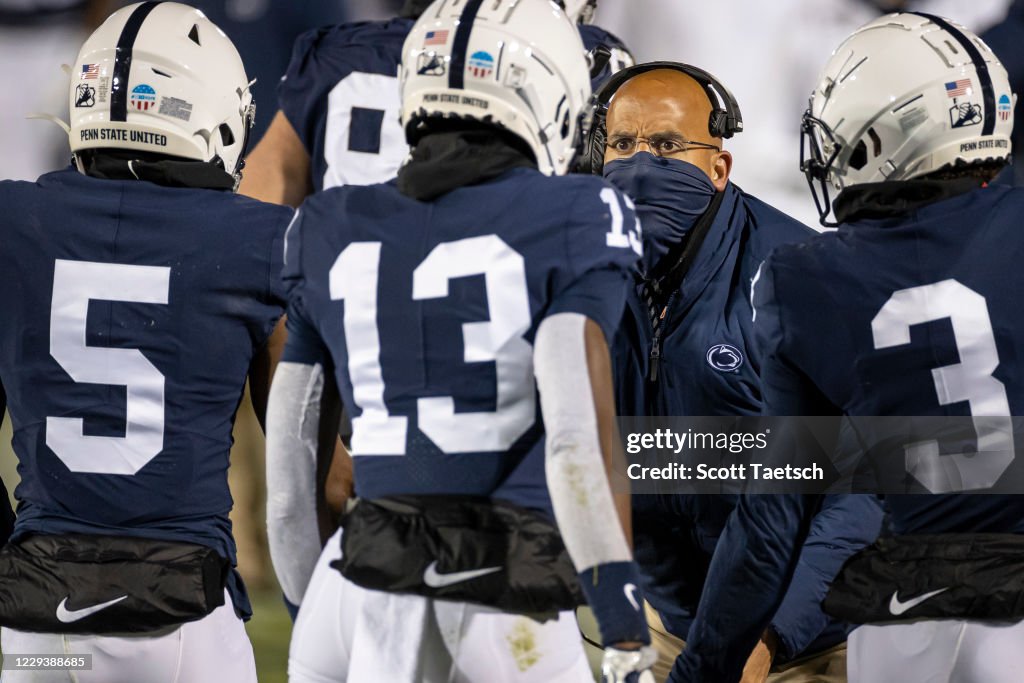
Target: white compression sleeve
293, 420
577, 481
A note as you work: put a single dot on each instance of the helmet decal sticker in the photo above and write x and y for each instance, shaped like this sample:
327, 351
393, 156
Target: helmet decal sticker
85, 96
430, 64
143, 97
1005, 107
176, 107
481, 64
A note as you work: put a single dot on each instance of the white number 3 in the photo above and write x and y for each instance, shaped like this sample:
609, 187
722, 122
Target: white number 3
969, 380
75, 283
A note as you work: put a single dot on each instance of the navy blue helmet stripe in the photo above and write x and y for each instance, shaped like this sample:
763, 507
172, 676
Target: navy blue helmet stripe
988, 95
457, 68
123, 61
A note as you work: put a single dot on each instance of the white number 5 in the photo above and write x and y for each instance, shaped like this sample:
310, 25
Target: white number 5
75, 283
969, 380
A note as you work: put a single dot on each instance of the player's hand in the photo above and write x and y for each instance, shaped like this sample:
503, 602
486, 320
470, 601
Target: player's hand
760, 661
338, 488
628, 666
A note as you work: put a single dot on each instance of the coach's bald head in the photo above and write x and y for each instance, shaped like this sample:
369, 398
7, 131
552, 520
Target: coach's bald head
660, 111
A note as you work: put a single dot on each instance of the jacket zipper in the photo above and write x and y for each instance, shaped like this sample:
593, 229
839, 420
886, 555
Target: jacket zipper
655, 357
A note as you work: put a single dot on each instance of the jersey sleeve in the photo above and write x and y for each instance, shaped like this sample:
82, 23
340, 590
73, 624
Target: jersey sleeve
276, 290
321, 59
785, 388
257, 236
747, 580
311, 74
845, 525
304, 343
603, 244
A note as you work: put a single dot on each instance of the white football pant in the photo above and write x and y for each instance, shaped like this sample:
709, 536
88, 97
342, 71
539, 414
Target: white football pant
937, 651
214, 649
347, 633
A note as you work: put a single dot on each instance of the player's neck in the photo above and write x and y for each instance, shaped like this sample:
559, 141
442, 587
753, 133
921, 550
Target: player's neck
442, 162
895, 198
166, 172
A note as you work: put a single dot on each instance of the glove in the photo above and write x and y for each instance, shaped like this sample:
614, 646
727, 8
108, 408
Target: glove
628, 666
612, 591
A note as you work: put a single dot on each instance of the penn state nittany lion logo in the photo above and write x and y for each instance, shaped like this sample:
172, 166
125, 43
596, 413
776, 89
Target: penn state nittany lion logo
725, 358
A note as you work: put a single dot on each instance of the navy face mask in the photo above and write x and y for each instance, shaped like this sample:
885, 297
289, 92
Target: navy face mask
670, 196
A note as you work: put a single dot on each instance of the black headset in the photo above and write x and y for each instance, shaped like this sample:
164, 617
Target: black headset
724, 122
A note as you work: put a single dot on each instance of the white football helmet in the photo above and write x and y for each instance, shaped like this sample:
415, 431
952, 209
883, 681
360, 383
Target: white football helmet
903, 96
160, 77
516, 64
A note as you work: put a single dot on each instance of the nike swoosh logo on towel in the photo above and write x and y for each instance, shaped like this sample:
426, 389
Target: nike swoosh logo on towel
898, 607
434, 579
68, 616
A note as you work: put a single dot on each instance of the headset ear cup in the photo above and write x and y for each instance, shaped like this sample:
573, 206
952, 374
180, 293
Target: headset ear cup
598, 142
717, 124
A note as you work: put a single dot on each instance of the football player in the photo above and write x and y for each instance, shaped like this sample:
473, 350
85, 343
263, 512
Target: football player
447, 300
142, 291
338, 122
909, 308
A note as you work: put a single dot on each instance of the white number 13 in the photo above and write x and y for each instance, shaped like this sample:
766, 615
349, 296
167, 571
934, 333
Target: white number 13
354, 278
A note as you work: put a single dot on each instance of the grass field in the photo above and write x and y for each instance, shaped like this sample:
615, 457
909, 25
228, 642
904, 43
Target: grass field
270, 630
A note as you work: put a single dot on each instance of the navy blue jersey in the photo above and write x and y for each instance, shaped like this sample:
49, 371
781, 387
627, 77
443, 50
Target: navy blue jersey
131, 314
913, 316
428, 311
341, 95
